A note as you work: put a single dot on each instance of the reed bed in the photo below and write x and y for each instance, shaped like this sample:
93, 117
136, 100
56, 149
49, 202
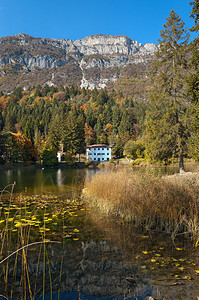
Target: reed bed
168, 204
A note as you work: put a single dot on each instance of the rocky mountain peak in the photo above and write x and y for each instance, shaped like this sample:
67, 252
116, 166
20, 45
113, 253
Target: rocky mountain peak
107, 44
93, 61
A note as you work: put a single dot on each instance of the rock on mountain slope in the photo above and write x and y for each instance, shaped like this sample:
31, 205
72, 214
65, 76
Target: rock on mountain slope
94, 61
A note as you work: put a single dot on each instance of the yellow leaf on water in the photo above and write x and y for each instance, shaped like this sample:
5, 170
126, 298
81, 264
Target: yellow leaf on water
179, 249
145, 252
18, 224
143, 267
197, 271
186, 277
2, 221
153, 260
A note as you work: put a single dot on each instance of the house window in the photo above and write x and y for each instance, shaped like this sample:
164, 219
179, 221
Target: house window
102, 148
102, 158
94, 158
94, 148
94, 153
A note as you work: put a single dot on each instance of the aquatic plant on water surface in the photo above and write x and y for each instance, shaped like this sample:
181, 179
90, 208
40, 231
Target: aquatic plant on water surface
29, 226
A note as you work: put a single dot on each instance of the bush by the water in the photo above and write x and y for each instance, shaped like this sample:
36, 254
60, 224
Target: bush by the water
169, 204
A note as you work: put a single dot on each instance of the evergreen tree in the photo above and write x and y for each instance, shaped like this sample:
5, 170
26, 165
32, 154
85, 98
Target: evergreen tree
167, 126
17, 92
107, 113
99, 128
116, 118
102, 97
74, 136
117, 149
195, 15
193, 84
80, 142
56, 133
45, 90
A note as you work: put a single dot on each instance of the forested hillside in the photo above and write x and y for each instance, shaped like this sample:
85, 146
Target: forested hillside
49, 117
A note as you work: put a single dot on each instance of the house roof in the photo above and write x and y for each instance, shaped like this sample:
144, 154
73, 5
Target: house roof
99, 146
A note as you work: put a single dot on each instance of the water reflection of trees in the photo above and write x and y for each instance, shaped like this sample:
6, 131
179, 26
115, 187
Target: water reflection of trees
153, 256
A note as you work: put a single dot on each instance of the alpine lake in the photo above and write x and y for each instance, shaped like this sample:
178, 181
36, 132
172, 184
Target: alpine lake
55, 246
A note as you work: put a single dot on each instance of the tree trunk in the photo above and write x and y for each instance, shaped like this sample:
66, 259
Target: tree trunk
181, 163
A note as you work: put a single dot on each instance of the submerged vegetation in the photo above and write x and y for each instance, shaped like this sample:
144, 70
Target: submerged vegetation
166, 204
28, 225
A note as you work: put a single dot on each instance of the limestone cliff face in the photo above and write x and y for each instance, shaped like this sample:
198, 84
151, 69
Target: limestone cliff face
106, 44
93, 54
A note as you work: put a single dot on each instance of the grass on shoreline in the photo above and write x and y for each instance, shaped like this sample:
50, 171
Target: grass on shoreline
168, 204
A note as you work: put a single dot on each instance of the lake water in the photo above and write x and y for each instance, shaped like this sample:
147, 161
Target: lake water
86, 255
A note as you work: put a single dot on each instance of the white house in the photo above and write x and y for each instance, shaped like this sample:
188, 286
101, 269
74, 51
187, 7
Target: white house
98, 152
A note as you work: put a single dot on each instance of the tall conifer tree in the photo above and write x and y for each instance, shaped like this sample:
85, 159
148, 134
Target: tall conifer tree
193, 83
167, 126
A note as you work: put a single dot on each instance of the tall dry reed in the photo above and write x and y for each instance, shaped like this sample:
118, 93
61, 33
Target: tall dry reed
169, 204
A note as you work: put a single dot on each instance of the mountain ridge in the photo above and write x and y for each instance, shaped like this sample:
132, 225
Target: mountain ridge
93, 61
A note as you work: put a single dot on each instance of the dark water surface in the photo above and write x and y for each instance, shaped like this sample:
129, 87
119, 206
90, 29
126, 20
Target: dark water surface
96, 258
44, 180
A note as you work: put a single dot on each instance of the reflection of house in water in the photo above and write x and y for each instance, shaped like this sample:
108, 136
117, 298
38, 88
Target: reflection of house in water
99, 152
59, 177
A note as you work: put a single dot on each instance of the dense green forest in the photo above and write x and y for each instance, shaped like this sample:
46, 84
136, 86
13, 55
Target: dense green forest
36, 123
48, 117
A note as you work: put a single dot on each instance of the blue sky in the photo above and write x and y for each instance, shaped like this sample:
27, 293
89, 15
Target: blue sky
141, 20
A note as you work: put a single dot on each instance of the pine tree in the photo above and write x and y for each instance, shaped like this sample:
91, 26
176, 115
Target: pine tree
167, 126
55, 135
74, 136
193, 84
116, 118
195, 15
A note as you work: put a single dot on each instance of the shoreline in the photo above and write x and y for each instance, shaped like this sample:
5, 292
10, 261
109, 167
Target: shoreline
76, 165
